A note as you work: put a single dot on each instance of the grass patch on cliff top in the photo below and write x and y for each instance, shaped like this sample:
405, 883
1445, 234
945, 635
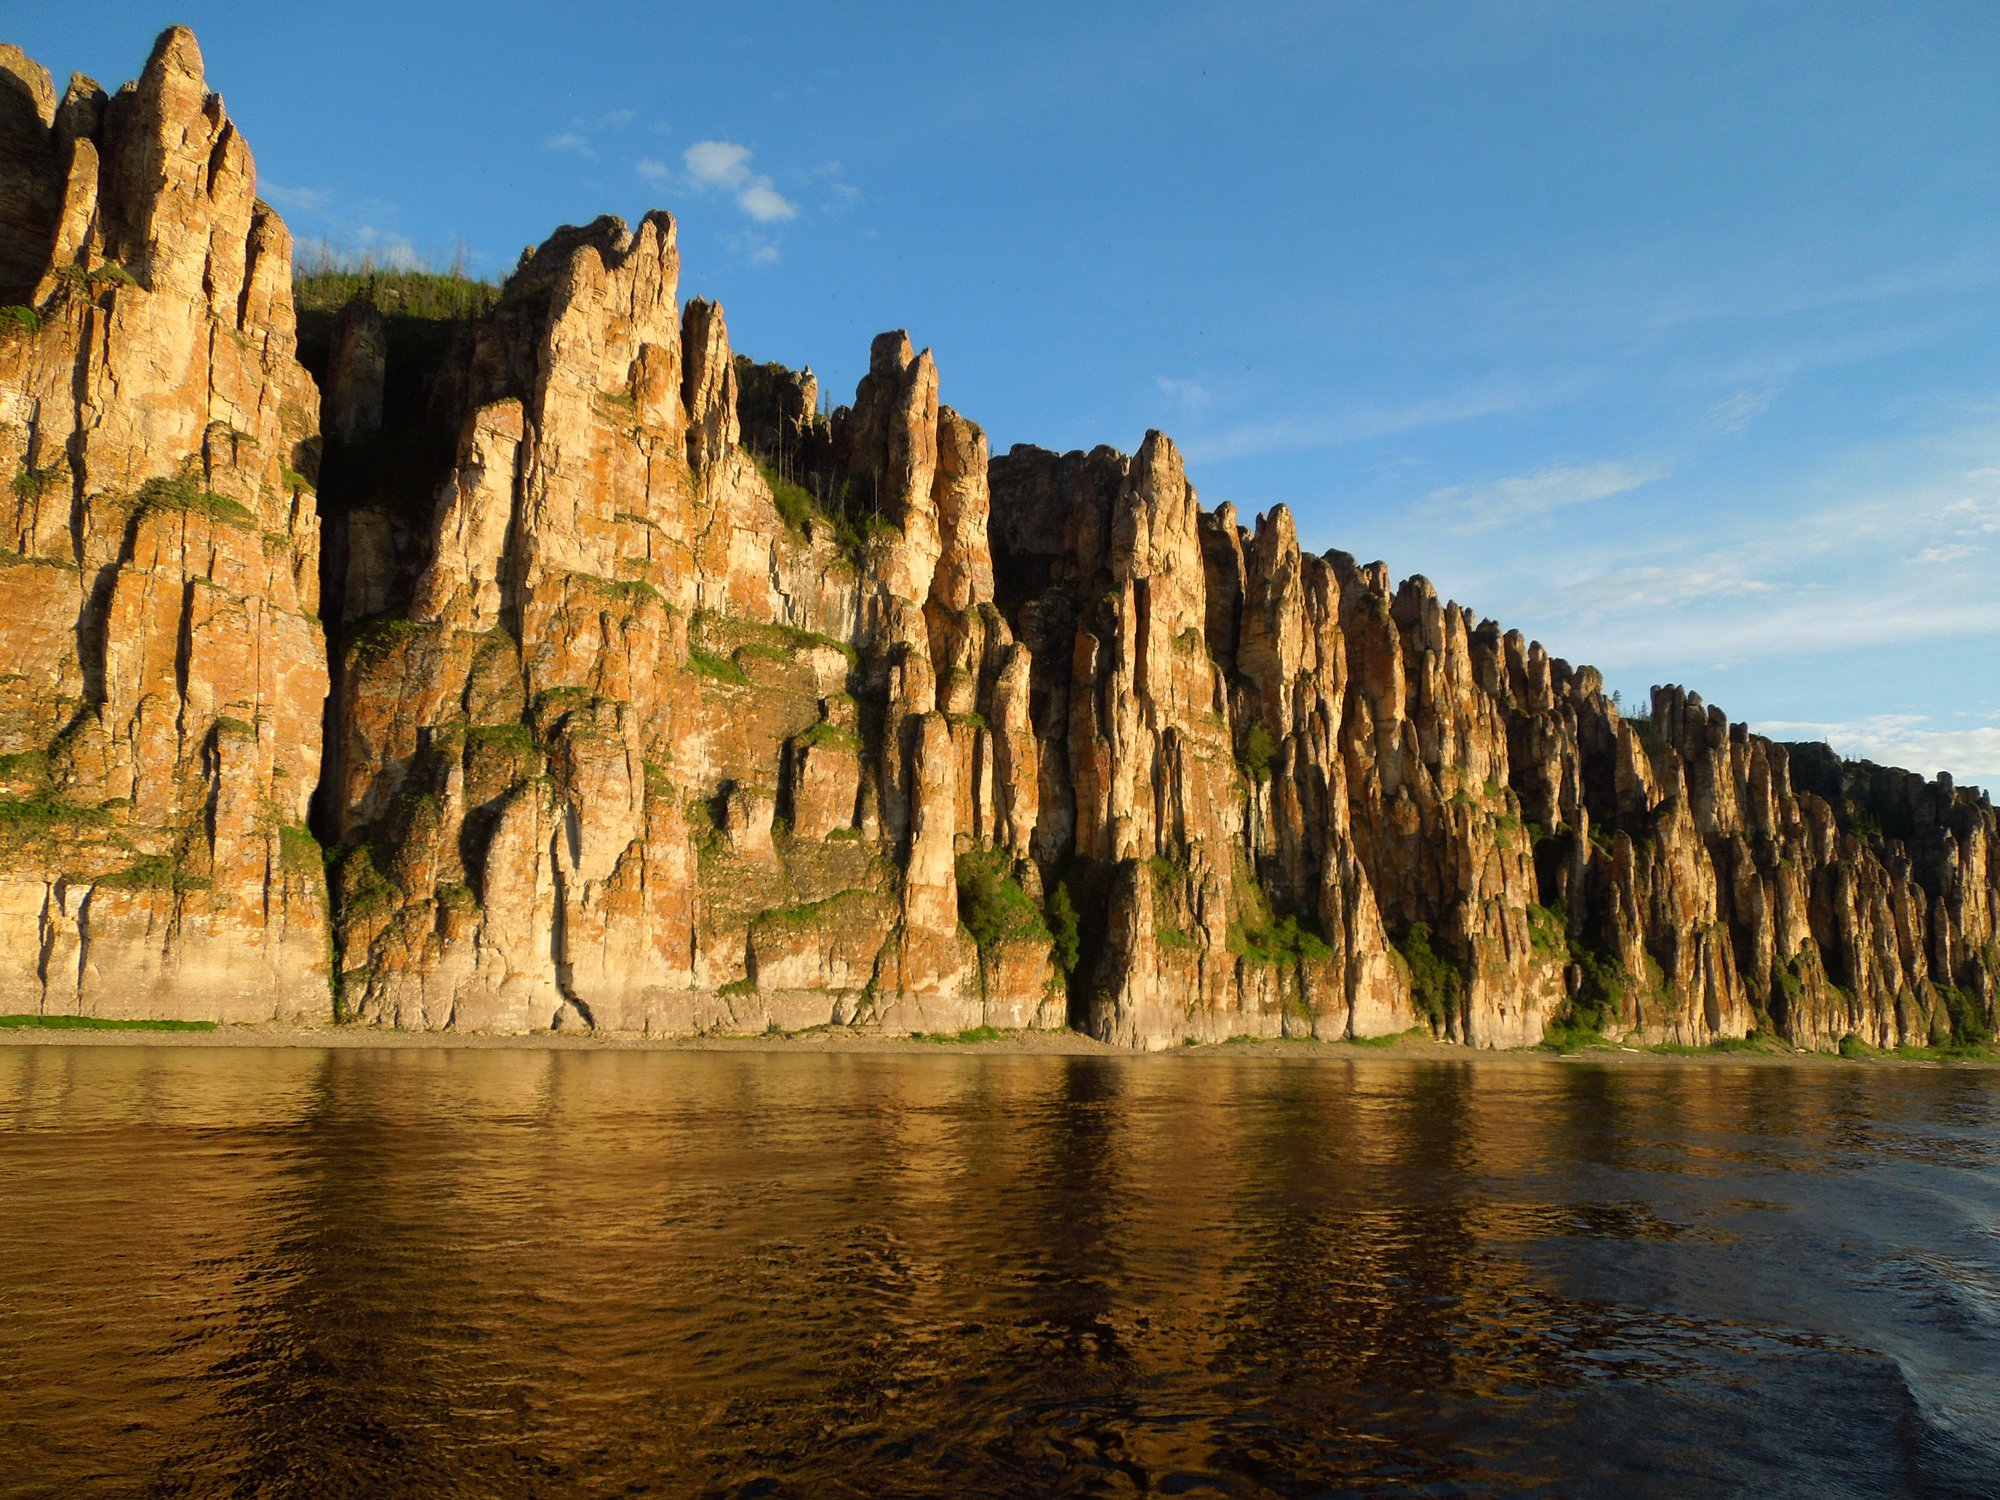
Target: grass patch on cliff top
508, 734
808, 913
96, 1023
299, 852
324, 280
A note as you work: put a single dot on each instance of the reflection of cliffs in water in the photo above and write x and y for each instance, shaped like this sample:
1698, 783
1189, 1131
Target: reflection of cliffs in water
491, 1272
655, 699
340, 1301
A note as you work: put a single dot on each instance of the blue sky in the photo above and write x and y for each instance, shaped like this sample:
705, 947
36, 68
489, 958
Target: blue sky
1668, 333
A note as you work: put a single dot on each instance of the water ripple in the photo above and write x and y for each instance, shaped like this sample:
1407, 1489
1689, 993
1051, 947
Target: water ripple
479, 1273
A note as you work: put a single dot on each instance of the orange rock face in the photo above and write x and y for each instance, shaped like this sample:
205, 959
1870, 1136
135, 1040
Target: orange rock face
160, 723
661, 702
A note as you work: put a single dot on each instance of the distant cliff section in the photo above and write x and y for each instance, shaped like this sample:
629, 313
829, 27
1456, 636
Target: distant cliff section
657, 701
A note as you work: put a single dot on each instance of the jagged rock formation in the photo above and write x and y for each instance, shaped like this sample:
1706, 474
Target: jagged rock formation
661, 701
164, 669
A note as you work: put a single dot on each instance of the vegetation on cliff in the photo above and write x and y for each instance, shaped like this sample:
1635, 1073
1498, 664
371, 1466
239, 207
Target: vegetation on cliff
636, 687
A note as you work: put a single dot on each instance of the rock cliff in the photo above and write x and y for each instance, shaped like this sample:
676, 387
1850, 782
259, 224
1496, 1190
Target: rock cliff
658, 700
159, 574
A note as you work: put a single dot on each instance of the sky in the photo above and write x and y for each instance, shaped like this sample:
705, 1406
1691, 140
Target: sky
1668, 334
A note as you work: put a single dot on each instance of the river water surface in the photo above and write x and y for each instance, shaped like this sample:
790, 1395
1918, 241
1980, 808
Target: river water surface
482, 1272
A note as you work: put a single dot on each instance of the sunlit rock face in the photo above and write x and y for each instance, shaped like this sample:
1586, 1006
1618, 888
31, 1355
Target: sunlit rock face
659, 701
162, 667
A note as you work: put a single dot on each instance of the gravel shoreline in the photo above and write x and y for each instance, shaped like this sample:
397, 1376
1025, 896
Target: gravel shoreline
1018, 1043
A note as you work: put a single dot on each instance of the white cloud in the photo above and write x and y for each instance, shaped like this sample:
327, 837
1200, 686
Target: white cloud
569, 140
717, 164
1718, 575
764, 203
655, 172
1939, 553
764, 255
1976, 515
1524, 497
724, 166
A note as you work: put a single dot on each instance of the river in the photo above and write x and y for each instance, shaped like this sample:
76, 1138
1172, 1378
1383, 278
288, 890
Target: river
437, 1271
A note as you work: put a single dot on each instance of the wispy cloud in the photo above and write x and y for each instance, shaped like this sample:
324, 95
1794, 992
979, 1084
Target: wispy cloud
578, 138
1977, 514
1790, 582
841, 194
724, 166
1716, 575
1439, 411
1185, 392
1528, 497
296, 200
1737, 411
1365, 423
1940, 554
1798, 621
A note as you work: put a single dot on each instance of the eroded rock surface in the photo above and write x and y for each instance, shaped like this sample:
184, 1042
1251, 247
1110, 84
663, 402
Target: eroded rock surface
662, 701
164, 666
